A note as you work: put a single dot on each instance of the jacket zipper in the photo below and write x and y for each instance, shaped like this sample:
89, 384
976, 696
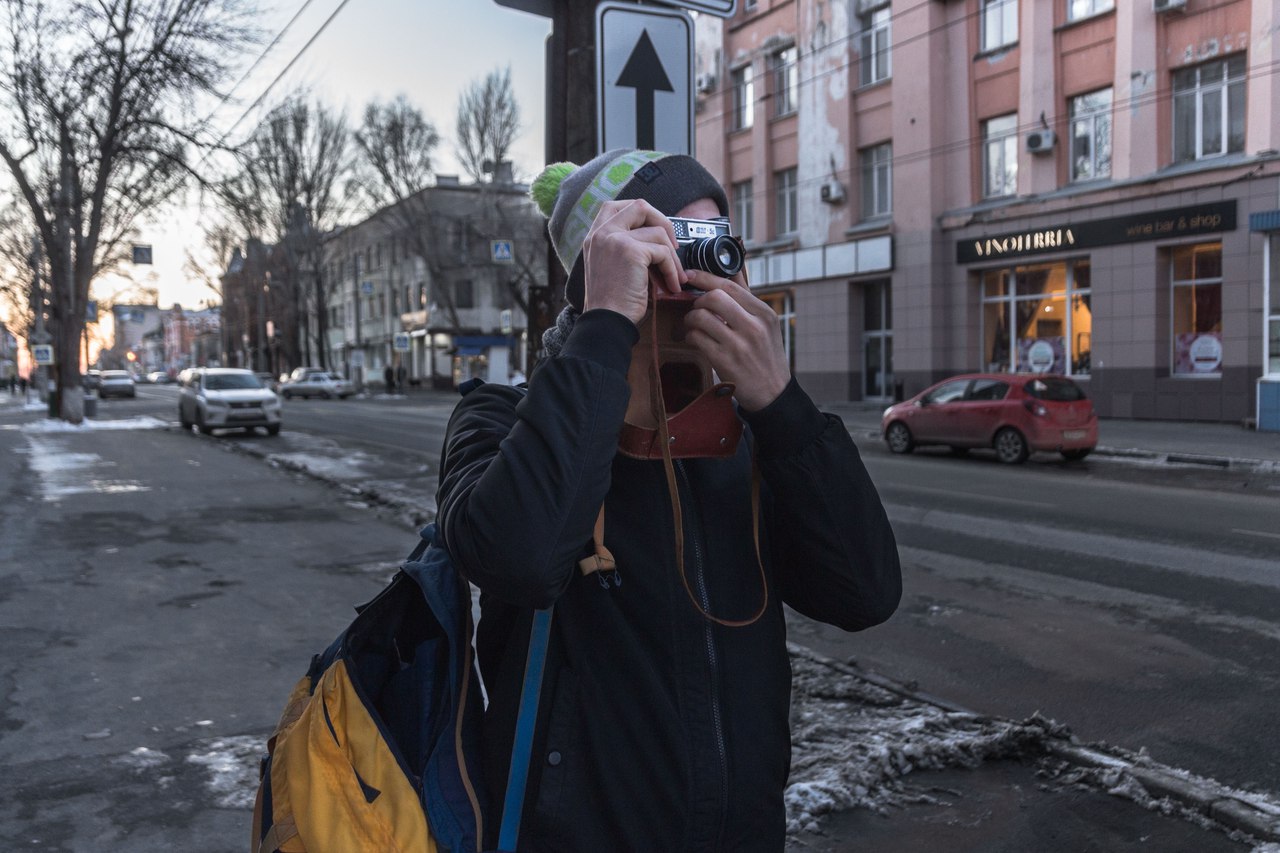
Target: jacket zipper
693, 531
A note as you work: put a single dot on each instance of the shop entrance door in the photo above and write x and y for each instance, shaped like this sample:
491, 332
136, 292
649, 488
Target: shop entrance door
877, 342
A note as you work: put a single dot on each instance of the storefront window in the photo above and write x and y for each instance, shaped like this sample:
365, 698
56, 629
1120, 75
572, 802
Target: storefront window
1197, 310
1038, 319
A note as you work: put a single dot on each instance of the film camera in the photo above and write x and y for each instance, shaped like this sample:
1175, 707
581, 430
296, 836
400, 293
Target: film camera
701, 421
705, 244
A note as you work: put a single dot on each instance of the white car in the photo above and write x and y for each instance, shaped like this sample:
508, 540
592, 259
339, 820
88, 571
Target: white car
116, 383
226, 398
321, 385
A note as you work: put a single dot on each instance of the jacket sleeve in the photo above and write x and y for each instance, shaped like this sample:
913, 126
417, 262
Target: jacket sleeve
522, 480
835, 556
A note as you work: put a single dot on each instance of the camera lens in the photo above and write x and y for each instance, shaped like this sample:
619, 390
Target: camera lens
719, 255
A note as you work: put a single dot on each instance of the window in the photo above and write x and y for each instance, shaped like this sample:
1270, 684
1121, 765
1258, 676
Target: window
744, 98
1000, 156
1208, 109
784, 183
999, 23
786, 81
1038, 319
948, 392
1272, 361
1197, 310
1077, 9
988, 389
875, 46
877, 193
464, 294
1091, 136
743, 208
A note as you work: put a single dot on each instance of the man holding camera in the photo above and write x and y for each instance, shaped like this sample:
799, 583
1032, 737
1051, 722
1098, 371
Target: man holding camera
667, 485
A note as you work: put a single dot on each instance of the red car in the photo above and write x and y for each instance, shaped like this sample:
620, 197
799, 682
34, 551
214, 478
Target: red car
1015, 413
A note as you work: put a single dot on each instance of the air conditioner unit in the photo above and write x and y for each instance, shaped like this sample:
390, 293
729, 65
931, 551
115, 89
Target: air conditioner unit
705, 83
1168, 5
832, 192
1041, 141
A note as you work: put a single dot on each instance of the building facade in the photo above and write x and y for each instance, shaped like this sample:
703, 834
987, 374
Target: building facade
1087, 187
437, 285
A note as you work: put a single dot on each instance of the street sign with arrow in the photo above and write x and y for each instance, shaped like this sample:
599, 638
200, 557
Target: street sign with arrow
644, 65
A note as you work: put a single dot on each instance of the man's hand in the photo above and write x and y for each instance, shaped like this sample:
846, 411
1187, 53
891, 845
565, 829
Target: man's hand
741, 338
629, 242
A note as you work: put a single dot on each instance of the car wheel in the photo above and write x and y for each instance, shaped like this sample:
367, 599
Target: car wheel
274, 429
1011, 447
1078, 453
899, 439
288, 395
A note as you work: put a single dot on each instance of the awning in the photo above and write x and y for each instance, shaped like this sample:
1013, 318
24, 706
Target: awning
1268, 220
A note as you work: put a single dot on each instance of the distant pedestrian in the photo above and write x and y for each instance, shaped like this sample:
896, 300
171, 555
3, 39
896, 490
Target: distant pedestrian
402, 376
389, 378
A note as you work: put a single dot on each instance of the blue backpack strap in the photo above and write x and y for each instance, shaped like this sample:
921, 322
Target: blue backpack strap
521, 751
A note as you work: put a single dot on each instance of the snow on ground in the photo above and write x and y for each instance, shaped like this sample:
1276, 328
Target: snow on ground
853, 743
54, 425
63, 472
232, 764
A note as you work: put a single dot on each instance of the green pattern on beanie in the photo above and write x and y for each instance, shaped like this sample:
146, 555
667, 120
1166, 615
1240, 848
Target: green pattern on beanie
608, 182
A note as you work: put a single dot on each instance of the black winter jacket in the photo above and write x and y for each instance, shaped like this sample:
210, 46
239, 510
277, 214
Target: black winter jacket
658, 729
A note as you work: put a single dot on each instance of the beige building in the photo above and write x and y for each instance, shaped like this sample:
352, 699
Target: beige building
1087, 187
438, 285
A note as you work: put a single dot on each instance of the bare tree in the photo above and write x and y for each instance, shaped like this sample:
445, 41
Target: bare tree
97, 126
290, 190
450, 233
488, 124
397, 144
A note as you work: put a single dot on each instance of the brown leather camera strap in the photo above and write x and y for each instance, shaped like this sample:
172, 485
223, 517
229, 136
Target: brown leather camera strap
660, 406
601, 559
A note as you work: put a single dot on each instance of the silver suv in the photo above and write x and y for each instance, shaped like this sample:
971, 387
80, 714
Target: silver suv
226, 398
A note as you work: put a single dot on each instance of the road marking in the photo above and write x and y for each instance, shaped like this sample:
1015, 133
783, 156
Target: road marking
951, 493
1255, 533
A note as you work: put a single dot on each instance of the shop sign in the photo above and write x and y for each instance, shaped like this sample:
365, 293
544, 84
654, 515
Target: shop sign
1156, 225
1197, 352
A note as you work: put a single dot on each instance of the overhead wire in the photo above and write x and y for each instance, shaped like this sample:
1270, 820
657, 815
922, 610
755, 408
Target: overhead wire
763, 100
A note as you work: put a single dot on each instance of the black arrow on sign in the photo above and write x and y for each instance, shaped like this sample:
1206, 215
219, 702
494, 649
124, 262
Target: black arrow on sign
644, 73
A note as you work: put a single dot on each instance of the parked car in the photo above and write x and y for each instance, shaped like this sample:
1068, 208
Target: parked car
159, 377
317, 385
300, 373
1016, 414
116, 383
91, 380
226, 398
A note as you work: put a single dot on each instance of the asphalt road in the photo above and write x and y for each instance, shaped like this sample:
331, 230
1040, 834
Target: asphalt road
1134, 606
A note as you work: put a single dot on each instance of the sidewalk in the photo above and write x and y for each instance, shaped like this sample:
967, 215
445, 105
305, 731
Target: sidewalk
1170, 442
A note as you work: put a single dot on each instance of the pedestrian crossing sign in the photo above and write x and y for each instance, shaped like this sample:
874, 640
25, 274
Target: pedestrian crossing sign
500, 251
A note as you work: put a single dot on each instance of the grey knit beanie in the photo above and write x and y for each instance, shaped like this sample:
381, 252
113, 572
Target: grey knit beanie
571, 197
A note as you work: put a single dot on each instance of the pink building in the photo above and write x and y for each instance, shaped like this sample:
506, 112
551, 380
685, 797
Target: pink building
1087, 187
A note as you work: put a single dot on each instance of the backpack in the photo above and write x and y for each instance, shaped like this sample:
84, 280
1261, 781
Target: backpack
378, 748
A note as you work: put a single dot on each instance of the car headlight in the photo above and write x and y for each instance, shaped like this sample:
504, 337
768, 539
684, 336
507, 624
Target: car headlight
215, 404
272, 402
885, 413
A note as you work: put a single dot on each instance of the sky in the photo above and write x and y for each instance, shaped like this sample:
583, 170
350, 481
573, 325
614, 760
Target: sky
428, 50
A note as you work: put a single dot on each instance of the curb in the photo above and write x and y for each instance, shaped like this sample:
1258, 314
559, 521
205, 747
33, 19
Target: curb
1232, 808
